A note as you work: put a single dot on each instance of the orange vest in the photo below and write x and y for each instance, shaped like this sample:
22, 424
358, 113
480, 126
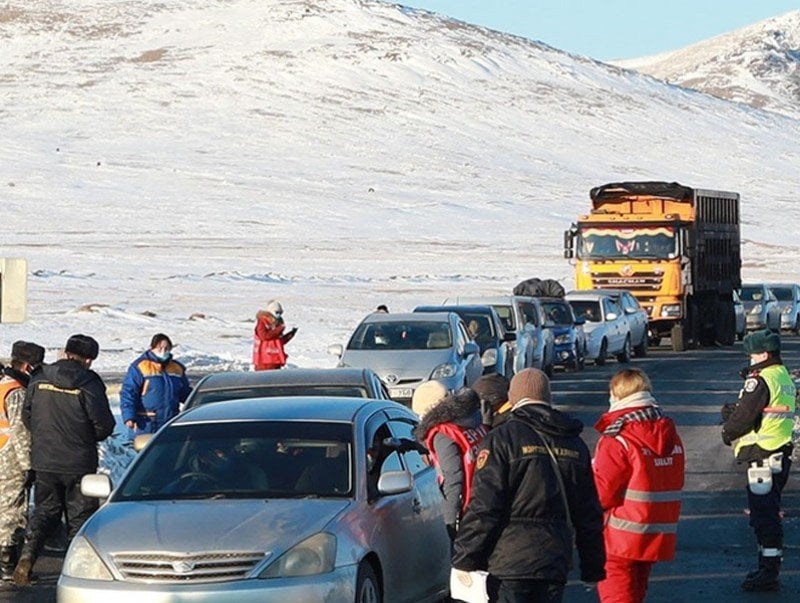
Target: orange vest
468, 440
6, 388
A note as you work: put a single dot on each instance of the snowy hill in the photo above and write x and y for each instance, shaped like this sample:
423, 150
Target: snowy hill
172, 166
758, 65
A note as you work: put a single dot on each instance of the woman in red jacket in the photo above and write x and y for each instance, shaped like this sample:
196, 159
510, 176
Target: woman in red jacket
639, 472
268, 351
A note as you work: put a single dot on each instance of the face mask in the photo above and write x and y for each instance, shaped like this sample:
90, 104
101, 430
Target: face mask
163, 356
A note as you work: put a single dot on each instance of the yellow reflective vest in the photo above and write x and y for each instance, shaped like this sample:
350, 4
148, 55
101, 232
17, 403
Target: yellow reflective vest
777, 418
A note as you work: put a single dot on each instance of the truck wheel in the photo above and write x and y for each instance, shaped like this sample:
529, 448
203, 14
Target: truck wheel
676, 334
601, 357
725, 323
625, 354
641, 350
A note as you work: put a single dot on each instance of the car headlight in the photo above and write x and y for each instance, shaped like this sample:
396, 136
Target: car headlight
670, 310
444, 371
787, 310
489, 357
82, 561
564, 339
756, 309
315, 555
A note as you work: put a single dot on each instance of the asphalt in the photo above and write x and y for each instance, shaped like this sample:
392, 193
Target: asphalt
716, 547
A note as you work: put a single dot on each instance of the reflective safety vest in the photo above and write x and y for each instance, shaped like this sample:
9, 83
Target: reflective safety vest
468, 440
777, 418
644, 527
6, 387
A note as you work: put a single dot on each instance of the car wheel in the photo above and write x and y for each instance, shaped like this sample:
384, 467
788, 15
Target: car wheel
641, 349
601, 357
368, 588
625, 354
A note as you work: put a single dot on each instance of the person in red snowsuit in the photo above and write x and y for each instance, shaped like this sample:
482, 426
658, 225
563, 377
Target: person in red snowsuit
269, 341
639, 473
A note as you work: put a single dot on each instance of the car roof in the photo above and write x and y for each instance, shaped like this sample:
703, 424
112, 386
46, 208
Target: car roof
409, 317
589, 294
329, 376
478, 308
301, 408
489, 299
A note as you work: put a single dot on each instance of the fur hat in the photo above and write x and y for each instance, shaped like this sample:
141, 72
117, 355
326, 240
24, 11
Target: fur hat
83, 346
25, 351
492, 388
427, 395
762, 341
530, 383
274, 307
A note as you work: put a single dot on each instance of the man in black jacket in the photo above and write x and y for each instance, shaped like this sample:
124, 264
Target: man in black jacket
67, 413
516, 525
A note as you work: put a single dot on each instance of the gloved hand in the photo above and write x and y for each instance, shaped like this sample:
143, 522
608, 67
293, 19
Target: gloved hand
726, 411
487, 412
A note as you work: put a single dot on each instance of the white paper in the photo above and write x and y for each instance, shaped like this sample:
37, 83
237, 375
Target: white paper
475, 592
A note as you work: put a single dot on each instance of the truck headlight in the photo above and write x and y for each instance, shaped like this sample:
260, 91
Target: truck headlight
564, 339
315, 555
82, 561
444, 371
670, 310
756, 309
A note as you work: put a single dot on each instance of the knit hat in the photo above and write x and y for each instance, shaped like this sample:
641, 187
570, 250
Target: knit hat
427, 395
530, 383
274, 307
83, 346
762, 341
492, 388
25, 351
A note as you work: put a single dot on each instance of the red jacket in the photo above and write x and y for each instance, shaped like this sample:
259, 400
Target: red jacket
639, 473
268, 352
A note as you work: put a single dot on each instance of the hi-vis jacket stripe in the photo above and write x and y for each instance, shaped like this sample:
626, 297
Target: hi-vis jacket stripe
642, 528
644, 496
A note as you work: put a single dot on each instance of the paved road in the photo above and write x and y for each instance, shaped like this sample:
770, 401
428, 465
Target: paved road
715, 545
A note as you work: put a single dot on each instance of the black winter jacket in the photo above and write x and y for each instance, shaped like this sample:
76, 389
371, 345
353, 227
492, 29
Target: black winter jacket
515, 526
67, 413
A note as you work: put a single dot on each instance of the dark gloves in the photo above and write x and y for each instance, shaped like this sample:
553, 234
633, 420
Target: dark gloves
487, 412
726, 411
288, 336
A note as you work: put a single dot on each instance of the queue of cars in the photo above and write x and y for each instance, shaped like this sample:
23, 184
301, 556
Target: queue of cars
774, 306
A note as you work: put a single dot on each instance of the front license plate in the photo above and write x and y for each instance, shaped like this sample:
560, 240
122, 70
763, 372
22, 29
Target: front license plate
401, 392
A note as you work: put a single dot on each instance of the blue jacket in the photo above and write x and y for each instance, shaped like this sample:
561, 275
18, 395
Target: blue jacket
152, 391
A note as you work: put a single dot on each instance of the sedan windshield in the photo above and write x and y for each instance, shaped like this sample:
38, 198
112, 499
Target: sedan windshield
752, 294
616, 243
401, 336
259, 459
588, 310
557, 313
273, 391
783, 294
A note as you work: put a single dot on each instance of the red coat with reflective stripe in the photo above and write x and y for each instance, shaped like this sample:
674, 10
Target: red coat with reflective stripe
639, 475
468, 440
268, 351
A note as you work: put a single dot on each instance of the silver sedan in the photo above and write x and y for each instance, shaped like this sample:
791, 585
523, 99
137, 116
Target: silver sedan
280, 499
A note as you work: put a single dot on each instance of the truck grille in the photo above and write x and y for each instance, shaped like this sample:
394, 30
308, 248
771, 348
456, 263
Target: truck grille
643, 281
218, 566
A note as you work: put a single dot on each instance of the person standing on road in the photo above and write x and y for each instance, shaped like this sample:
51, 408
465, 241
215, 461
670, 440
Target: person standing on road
269, 342
15, 447
533, 500
154, 387
639, 472
759, 426
493, 392
452, 431
67, 413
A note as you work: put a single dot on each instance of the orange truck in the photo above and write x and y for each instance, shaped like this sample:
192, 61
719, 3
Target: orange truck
677, 249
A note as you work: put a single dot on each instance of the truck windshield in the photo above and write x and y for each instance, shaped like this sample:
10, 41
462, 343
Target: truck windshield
634, 243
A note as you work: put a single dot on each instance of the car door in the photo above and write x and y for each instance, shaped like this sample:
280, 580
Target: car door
616, 325
535, 332
433, 544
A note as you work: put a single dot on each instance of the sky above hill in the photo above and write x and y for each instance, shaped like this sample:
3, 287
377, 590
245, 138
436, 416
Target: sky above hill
611, 29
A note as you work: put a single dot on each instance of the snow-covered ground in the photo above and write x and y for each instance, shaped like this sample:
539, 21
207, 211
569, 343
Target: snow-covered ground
173, 166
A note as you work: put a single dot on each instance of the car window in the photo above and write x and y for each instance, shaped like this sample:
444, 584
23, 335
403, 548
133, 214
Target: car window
256, 459
413, 459
609, 306
479, 327
587, 310
557, 313
506, 316
629, 302
273, 391
529, 313
401, 336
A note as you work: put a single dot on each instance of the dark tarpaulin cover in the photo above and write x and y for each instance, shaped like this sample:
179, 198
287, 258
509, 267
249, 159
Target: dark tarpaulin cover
670, 190
536, 287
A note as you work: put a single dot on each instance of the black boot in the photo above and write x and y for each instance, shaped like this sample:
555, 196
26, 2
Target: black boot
766, 578
751, 575
8, 561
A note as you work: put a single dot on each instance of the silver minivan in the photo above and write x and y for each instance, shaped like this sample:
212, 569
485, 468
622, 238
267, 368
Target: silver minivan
788, 296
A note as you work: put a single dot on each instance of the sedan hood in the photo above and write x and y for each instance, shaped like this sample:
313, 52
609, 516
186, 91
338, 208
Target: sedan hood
209, 525
405, 364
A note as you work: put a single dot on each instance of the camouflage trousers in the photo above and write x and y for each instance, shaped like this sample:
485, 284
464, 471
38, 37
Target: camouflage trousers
13, 508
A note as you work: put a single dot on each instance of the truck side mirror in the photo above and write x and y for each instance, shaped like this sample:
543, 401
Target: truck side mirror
569, 244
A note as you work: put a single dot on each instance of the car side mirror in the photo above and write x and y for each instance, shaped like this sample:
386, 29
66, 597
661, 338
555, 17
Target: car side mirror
509, 337
395, 482
611, 316
336, 349
96, 485
141, 440
471, 348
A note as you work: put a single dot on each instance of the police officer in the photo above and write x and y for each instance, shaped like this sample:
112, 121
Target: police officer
16, 476
759, 426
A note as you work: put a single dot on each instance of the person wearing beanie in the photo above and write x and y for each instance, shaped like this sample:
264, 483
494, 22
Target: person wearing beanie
528, 507
427, 395
270, 339
759, 427
15, 444
154, 387
66, 411
639, 472
493, 392
451, 430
